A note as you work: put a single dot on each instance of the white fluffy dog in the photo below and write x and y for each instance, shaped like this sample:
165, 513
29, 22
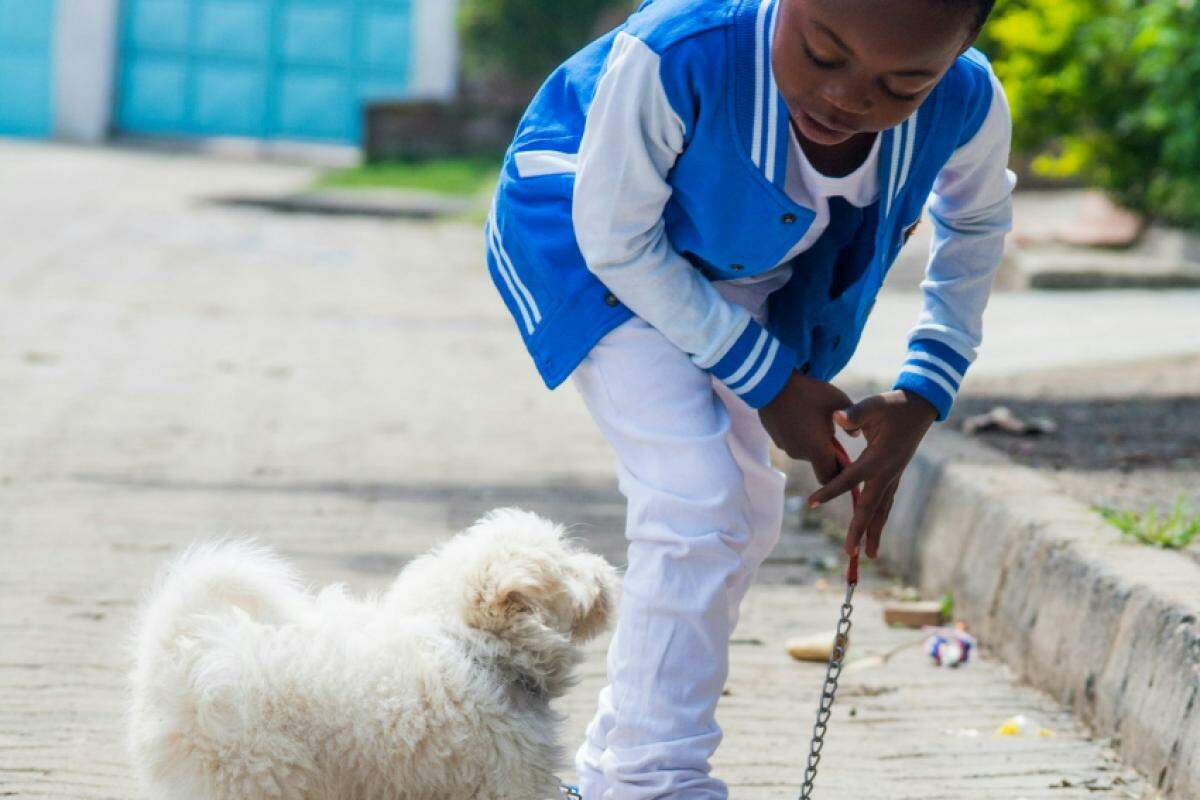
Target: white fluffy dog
248, 687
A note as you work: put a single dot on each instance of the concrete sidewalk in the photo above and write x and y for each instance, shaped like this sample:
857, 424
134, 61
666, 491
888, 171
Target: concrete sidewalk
351, 391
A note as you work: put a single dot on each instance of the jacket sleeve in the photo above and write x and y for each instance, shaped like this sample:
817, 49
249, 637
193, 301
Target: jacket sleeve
631, 140
971, 210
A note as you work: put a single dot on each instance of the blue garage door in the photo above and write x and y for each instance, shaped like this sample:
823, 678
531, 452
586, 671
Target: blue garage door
25, 56
272, 69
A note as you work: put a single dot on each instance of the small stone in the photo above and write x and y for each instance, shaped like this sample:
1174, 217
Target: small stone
912, 615
34, 357
1102, 223
814, 647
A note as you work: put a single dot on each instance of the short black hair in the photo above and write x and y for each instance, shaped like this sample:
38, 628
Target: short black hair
979, 10
982, 9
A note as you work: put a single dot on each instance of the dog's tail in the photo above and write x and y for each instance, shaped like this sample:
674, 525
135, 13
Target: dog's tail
211, 586
214, 578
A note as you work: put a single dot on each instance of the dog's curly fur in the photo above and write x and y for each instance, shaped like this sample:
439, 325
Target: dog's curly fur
247, 686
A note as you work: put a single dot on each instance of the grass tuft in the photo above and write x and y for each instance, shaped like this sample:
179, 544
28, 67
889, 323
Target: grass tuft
947, 606
1172, 530
455, 176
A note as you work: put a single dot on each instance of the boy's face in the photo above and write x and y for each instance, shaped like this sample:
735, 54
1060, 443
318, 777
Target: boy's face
847, 67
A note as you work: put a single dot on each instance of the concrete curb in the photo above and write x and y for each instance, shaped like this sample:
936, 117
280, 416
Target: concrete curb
1163, 258
1110, 629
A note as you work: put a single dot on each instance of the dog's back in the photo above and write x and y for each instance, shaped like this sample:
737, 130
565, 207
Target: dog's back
248, 688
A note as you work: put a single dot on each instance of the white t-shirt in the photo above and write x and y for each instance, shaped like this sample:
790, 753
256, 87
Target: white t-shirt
811, 188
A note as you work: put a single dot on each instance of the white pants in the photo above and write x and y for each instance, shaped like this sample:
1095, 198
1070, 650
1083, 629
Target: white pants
705, 508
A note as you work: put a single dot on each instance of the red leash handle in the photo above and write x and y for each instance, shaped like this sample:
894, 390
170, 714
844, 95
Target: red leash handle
844, 461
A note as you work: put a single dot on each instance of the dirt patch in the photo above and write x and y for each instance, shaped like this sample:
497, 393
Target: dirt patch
1128, 435
1123, 434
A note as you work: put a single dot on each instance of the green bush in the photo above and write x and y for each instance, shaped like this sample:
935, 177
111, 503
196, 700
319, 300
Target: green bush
1108, 90
524, 40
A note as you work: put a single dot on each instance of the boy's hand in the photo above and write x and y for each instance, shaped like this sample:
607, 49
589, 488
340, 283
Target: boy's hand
800, 422
894, 424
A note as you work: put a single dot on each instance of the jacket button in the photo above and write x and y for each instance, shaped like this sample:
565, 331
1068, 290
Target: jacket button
806, 367
737, 268
611, 300
788, 219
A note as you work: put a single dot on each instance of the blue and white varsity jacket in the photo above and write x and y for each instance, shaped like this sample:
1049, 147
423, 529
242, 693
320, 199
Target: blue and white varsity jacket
652, 163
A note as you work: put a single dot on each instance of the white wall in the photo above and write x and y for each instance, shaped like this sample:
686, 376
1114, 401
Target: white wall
435, 56
85, 58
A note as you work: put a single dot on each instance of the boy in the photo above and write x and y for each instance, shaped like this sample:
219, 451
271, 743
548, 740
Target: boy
693, 221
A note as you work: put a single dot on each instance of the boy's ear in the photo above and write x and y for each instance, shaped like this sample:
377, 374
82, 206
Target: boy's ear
971, 39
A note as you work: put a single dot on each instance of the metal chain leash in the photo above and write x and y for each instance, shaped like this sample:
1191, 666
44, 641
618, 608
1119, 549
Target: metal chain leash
833, 671
828, 692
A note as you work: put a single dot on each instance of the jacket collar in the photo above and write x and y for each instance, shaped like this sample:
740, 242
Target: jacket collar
895, 161
761, 111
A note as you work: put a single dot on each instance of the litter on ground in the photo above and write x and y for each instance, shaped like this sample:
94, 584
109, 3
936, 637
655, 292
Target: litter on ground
1020, 725
1002, 418
814, 647
950, 647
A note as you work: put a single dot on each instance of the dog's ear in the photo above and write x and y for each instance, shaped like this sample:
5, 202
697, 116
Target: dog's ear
595, 594
496, 602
